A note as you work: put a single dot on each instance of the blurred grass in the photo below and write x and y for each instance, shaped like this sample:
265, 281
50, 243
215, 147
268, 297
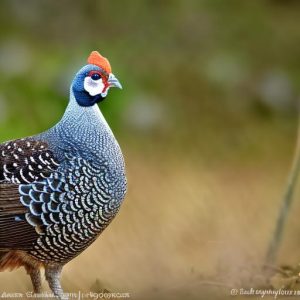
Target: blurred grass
206, 64
206, 120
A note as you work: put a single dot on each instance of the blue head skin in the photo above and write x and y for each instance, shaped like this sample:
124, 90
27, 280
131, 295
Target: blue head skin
91, 85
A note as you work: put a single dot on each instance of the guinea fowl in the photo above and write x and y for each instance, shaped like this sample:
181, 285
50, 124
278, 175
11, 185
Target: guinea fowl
61, 188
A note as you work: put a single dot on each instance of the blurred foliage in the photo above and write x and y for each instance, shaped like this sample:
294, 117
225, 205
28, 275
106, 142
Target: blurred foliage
205, 83
211, 78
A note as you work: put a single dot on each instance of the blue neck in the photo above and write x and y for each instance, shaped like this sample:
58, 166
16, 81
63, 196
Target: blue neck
86, 117
81, 128
83, 98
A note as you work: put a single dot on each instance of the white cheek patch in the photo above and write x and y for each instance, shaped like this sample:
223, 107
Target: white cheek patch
93, 87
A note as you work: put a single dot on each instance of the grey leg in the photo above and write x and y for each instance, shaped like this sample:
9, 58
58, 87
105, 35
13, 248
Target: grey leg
52, 273
36, 280
35, 275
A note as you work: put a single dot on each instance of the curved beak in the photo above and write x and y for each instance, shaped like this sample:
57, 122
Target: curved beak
113, 81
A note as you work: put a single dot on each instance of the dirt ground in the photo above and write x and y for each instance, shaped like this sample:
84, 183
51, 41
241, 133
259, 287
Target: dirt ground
185, 231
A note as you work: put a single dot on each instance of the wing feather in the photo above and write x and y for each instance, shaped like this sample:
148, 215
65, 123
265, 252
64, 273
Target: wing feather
22, 161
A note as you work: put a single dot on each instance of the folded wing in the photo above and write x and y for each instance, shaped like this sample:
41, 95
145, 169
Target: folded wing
22, 161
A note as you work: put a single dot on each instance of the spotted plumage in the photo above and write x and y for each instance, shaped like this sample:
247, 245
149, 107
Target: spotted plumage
25, 161
61, 188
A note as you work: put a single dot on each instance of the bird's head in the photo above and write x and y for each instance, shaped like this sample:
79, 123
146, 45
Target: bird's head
92, 83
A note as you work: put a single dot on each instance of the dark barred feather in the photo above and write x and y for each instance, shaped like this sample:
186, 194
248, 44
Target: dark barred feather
21, 161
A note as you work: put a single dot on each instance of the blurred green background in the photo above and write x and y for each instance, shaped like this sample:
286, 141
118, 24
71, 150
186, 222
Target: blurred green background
206, 119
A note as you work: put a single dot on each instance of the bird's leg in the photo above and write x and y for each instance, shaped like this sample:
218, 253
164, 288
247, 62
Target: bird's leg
52, 273
35, 275
36, 280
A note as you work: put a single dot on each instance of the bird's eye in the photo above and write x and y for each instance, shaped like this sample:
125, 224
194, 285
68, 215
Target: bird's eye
96, 76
